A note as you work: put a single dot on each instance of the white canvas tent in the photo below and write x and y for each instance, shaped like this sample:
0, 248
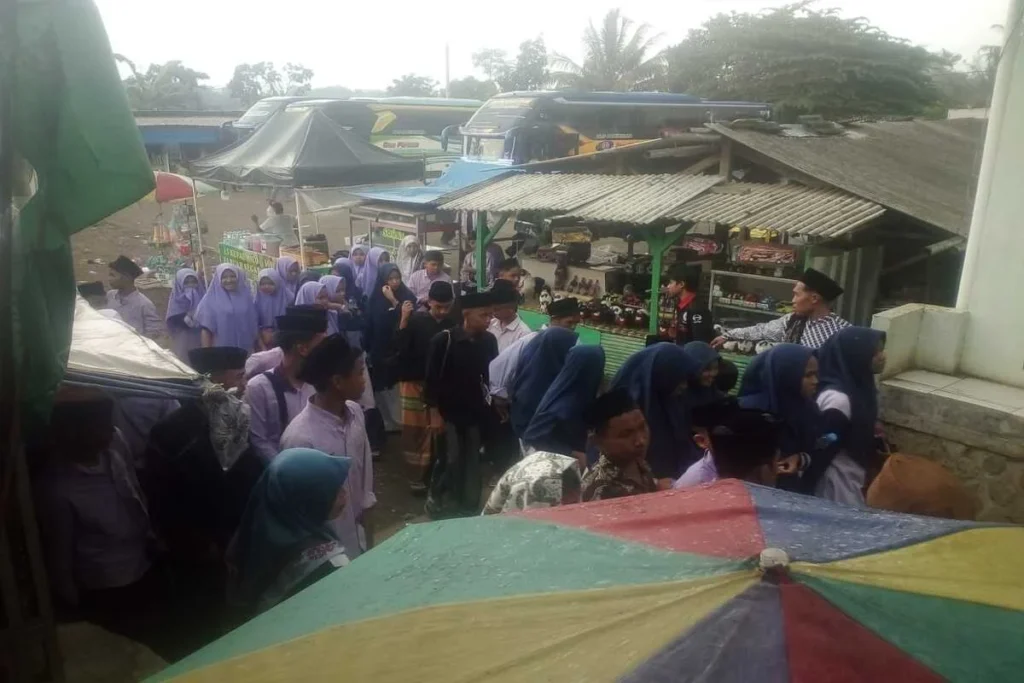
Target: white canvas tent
106, 352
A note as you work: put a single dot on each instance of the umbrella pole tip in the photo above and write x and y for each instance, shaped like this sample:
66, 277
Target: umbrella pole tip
773, 559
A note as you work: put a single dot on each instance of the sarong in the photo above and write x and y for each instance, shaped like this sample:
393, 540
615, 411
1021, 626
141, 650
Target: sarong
420, 425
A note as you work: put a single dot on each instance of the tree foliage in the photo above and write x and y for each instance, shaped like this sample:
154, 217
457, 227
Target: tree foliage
413, 86
471, 88
252, 82
529, 70
617, 55
968, 83
805, 61
163, 86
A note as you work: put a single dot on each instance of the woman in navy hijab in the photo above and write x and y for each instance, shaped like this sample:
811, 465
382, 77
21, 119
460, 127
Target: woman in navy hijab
702, 388
656, 378
558, 425
783, 381
848, 363
542, 360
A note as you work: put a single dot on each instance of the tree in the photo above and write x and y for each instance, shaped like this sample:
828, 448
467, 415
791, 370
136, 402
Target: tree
805, 61
413, 85
471, 88
252, 82
529, 71
492, 62
163, 86
617, 55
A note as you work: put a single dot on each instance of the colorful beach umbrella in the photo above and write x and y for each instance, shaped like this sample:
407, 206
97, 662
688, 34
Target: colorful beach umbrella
729, 583
172, 187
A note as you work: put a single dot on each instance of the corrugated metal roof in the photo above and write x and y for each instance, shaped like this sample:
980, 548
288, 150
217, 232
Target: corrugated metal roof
792, 209
646, 201
615, 198
925, 169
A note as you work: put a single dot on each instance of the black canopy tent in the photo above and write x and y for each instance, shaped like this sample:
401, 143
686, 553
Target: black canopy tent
304, 148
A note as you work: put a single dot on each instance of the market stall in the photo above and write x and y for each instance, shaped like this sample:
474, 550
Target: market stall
613, 237
296, 150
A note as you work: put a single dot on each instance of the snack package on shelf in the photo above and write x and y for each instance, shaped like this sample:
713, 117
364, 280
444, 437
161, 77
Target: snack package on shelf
761, 254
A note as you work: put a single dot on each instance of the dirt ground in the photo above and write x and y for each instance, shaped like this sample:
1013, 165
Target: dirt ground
127, 231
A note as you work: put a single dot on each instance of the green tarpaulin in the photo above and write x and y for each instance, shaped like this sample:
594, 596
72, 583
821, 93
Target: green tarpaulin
73, 127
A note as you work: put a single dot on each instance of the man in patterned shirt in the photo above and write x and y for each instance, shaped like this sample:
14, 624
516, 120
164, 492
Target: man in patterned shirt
811, 323
621, 433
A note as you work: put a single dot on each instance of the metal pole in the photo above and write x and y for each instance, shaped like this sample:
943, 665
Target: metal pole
302, 241
199, 232
447, 71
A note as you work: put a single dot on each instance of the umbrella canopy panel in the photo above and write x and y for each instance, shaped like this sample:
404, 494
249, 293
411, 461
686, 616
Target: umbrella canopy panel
304, 148
173, 187
662, 587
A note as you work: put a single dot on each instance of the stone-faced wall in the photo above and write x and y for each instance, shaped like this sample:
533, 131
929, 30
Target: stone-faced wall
982, 445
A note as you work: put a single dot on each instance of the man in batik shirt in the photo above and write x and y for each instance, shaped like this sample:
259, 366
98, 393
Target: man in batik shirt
621, 434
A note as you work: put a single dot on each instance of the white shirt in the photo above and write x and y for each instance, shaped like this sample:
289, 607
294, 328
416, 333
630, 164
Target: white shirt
507, 335
503, 368
843, 481
282, 225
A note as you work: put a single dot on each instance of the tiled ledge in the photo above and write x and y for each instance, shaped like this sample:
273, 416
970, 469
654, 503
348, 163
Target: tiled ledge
974, 412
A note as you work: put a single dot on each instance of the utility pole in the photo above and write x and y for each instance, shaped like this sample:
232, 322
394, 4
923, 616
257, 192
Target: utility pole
447, 70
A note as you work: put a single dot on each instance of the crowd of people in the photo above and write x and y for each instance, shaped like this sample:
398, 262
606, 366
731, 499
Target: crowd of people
265, 484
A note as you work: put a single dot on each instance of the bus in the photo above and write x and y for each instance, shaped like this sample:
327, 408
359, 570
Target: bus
410, 126
259, 113
518, 127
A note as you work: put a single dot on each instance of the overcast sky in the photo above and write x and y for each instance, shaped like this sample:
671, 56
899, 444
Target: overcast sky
366, 44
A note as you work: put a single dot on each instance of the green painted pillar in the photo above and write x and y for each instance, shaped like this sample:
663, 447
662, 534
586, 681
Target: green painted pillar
481, 238
657, 243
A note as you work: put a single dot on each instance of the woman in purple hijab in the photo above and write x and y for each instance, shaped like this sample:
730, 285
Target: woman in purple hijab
375, 258
227, 313
181, 313
312, 294
358, 258
271, 301
288, 268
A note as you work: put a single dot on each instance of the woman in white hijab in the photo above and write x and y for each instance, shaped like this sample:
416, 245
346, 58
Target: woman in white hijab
410, 257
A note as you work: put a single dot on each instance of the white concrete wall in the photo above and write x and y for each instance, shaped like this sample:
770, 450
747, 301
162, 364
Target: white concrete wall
993, 276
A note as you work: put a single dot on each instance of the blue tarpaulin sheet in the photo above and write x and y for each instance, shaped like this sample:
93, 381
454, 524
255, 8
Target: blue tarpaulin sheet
459, 175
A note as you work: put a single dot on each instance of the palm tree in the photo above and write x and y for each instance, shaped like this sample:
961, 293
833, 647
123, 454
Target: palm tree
617, 56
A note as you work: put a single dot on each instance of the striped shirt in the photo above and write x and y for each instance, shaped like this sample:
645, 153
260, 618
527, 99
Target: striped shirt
815, 332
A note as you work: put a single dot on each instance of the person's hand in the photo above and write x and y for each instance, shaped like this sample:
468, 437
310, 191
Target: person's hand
789, 464
718, 342
388, 294
502, 407
255, 219
406, 310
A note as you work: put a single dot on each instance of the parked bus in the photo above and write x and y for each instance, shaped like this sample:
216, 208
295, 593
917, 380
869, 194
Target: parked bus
259, 113
410, 126
533, 126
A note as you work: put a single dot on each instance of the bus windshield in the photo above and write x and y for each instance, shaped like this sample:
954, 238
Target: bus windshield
501, 114
261, 111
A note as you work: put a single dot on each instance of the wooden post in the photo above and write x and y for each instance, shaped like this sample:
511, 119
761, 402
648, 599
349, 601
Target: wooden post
725, 159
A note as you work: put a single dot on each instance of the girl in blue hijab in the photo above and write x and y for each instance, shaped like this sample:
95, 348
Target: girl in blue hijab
657, 380
848, 363
288, 513
542, 360
702, 388
783, 381
558, 426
